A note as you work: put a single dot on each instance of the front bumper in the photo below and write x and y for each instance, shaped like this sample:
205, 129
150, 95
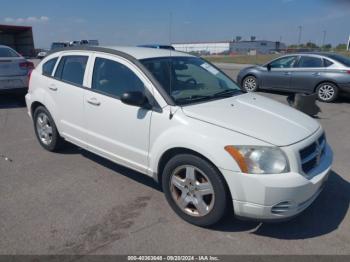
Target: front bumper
276, 196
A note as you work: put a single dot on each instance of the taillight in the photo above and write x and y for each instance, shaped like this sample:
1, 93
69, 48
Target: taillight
26, 65
348, 71
29, 76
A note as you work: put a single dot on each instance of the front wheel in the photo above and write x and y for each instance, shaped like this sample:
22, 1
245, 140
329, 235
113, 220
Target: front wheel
250, 84
327, 92
195, 189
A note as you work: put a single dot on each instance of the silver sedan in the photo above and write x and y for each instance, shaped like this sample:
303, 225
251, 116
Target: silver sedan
327, 74
14, 71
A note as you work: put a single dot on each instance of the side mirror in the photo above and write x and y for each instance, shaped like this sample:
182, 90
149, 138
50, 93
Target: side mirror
135, 99
268, 66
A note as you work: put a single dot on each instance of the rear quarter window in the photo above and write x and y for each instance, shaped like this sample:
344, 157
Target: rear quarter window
72, 69
49, 66
327, 63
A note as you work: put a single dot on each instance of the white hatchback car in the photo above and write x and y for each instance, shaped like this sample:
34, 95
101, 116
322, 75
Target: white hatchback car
180, 120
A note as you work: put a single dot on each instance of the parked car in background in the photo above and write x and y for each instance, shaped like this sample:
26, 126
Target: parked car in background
89, 42
183, 122
57, 45
327, 74
42, 54
14, 71
169, 47
74, 43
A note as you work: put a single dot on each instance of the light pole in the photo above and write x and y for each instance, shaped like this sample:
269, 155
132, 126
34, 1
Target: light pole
300, 30
324, 38
170, 27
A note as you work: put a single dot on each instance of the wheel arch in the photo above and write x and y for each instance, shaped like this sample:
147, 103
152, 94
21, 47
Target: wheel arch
325, 81
34, 106
254, 74
170, 153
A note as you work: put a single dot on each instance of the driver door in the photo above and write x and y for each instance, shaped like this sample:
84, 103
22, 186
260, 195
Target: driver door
116, 130
278, 76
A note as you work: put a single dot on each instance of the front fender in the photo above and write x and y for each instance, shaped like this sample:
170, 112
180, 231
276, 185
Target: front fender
204, 138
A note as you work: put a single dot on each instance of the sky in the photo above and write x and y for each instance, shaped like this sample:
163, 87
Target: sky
132, 22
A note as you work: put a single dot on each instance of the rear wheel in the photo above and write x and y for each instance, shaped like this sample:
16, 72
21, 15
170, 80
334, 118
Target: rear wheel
250, 84
195, 189
327, 92
46, 130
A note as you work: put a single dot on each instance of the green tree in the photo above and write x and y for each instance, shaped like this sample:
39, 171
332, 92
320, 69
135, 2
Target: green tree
327, 47
341, 47
311, 45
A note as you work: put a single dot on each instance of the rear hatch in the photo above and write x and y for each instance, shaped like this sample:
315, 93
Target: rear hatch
10, 66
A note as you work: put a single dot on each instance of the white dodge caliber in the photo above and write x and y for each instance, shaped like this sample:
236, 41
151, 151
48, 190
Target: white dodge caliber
180, 120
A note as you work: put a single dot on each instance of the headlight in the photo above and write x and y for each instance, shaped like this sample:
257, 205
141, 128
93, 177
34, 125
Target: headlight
259, 159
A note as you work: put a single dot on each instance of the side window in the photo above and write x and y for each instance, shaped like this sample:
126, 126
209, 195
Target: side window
309, 61
284, 62
327, 63
49, 66
114, 79
72, 69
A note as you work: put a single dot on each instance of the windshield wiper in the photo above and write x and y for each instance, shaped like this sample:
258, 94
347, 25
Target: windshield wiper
189, 99
226, 93
193, 98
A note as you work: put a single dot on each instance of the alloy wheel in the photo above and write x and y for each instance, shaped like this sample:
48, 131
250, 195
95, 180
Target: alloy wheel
192, 190
250, 84
326, 92
44, 128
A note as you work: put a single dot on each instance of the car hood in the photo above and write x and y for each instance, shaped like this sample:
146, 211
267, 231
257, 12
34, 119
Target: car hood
256, 116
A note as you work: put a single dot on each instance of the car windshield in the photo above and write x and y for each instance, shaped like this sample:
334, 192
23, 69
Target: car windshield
190, 79
7, 52
341, 59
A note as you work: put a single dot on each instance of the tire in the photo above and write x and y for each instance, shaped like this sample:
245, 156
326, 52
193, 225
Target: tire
46, 131
202, 201
327, 92
250, 84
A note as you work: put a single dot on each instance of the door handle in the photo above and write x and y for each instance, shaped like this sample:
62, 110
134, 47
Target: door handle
316, 74
53, 87
94, 101
287, 73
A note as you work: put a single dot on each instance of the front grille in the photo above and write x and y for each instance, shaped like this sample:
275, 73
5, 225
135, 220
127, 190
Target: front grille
311, 154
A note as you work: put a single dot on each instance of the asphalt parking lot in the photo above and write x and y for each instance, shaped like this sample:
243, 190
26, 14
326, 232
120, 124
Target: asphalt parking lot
74, 202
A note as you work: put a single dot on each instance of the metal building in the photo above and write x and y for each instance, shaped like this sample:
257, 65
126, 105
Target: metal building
258, 46
19, 38
225, 47
204, 48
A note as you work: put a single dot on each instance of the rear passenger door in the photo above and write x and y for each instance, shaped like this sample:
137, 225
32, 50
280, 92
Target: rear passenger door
68, 90
117, 131
307, 74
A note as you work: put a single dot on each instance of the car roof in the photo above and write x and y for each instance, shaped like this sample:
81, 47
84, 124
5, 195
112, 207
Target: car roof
326, 54
146, 52
133, 51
